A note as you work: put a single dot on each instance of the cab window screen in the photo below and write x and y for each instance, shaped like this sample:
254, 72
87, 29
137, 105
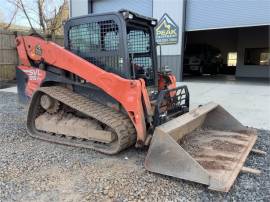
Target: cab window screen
97, 42
85, 37
138, 41
140, 54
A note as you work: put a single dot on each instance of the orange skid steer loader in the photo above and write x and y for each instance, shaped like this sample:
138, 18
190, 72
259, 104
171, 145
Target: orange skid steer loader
104, 91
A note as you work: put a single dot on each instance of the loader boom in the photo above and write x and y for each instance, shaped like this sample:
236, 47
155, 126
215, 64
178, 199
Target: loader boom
127, 92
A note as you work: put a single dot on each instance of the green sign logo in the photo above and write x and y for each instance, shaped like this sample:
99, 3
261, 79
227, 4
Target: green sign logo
167, 31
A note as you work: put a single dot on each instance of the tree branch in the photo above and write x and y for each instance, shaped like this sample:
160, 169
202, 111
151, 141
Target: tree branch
41, 14
25, 13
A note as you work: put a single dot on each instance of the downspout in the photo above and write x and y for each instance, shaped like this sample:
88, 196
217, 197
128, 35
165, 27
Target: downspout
183, 44
90, 6
70, 8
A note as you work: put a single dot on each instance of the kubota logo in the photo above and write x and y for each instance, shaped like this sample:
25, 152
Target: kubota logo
38, 50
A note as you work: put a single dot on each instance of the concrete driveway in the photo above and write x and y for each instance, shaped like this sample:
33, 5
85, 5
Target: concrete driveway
248, 101
10, 89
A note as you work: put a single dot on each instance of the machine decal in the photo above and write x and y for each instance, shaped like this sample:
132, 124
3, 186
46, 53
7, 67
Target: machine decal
35, 77
167, 31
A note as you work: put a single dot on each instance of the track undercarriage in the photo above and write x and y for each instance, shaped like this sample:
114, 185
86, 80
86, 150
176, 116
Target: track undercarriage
59, 115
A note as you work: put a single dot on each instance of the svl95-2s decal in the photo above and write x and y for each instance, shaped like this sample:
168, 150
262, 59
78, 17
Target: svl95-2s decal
35, 78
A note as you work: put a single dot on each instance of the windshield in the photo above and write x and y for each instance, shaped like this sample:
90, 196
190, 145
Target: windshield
140, 53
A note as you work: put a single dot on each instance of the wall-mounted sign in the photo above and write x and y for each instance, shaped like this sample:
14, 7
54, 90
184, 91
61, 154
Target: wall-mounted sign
166, 31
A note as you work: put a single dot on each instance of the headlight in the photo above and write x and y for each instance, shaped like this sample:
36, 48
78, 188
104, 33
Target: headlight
130, 16
153, 22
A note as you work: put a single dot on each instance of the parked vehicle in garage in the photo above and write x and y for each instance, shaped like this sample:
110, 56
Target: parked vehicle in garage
202, 59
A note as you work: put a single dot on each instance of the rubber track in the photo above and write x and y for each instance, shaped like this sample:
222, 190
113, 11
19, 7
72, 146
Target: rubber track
118, 122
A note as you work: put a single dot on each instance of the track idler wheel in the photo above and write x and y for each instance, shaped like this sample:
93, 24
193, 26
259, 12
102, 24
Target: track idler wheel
49, 104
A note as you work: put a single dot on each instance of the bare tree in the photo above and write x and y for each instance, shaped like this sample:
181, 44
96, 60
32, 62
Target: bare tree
20, 5
43, 14
55, 23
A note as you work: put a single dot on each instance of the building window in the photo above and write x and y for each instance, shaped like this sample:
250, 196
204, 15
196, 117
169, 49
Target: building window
257, 56
232, 59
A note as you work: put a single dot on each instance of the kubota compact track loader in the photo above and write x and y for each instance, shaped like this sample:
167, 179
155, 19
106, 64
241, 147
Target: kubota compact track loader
104, 91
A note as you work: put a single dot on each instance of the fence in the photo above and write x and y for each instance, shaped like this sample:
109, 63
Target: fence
8, 54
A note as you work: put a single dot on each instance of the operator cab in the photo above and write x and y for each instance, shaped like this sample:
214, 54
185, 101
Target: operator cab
120, 42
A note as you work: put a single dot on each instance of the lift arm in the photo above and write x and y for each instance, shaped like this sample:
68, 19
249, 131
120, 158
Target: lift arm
129, 93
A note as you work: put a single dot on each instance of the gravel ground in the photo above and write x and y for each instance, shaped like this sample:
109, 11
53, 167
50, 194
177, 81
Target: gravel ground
35, 170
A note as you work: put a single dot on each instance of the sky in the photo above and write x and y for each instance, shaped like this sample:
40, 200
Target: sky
7, 10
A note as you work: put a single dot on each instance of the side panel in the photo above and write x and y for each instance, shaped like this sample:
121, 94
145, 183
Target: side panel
29, 79
22, 78
35, 77
94, 93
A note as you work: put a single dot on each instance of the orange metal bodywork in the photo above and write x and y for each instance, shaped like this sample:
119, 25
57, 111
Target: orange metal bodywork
170, 83
129, 93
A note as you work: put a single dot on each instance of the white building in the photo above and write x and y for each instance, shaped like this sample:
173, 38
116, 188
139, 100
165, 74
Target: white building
238, 28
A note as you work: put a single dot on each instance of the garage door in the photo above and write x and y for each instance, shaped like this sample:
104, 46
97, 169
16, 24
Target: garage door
213, 14
143, 7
